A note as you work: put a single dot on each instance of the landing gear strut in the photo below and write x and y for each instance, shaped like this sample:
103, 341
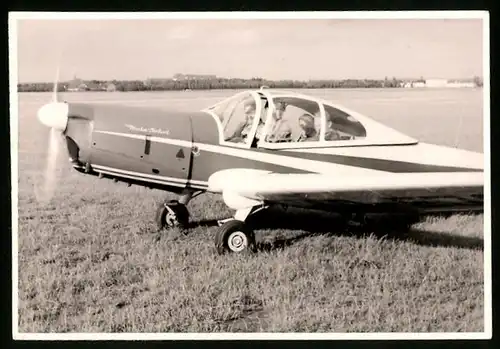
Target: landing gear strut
234, 235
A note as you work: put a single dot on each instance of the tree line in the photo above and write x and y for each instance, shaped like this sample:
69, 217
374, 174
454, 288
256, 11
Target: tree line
208, 84
218, 83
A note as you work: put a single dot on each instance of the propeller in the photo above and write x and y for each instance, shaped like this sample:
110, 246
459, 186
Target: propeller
55, 116
56, 85
46, 192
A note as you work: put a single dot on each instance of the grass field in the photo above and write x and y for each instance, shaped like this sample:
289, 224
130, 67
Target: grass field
91, 260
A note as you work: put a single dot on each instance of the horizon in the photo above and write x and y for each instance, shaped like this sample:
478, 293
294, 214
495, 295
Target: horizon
263, 78
272, 49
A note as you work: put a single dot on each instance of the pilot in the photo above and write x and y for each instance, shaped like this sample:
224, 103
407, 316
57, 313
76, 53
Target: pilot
308, 133
242, 131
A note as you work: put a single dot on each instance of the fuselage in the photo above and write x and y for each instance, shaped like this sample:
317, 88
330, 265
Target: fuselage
176, 150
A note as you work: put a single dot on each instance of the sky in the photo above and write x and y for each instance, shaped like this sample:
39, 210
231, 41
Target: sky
299, 49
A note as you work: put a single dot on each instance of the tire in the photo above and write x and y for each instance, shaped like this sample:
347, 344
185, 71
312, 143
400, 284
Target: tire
165, 219
234, 237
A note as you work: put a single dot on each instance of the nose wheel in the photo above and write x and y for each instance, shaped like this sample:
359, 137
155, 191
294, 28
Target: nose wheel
172, 214
234, 236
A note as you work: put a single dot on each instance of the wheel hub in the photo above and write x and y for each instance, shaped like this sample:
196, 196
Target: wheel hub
237, 241
170, 217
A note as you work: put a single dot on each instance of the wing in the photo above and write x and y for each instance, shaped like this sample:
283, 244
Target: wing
242, 188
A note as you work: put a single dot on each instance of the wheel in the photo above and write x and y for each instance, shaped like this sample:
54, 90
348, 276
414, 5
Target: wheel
234, 236
172, 214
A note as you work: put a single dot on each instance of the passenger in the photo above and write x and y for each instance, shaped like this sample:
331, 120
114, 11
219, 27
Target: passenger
279, 110
317, 120
280, 130
331, 134
308, 133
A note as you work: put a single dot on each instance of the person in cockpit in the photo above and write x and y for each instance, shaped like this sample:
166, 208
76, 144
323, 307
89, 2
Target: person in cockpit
331, 134
249, 108
308, 132
280, 130
243, 130
279, 110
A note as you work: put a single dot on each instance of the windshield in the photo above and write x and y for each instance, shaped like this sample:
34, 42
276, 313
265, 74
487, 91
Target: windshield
237, 116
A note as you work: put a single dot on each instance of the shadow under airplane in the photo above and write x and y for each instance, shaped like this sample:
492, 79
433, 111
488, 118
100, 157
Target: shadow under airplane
310, 223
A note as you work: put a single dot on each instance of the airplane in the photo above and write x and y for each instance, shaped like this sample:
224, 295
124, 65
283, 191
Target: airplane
264, 147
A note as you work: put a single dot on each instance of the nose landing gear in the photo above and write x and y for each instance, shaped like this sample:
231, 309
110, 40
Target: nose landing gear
174, 213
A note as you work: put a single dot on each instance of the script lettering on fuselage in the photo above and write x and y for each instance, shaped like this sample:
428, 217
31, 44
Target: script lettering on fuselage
147, 129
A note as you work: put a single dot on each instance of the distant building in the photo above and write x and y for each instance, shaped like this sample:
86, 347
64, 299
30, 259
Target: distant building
178, 77
412, 83
111, 87
77, 85
95, 86
436, 83
461, 83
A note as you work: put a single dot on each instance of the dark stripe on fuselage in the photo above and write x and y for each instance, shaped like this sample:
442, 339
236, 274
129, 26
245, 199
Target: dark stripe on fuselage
371, 163
207, 163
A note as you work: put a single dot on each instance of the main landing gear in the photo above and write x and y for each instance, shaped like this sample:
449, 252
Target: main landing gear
234, 235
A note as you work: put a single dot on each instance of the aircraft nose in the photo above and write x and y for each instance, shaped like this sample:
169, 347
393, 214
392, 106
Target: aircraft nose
54, 115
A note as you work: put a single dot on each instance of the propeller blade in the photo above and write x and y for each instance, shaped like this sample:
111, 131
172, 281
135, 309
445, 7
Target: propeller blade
46, 193
56, 85
53, 115
55, 96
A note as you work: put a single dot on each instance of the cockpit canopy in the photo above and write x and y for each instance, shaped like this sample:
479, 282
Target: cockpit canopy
282, 119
